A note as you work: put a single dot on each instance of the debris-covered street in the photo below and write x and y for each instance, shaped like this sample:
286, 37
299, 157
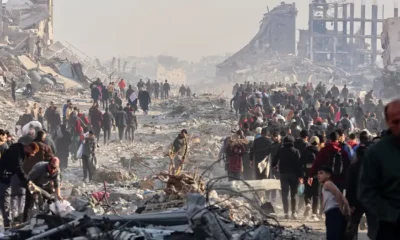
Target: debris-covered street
295, 136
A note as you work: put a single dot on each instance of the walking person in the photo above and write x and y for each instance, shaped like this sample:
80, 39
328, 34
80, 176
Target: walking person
108, 122
259, 152
96, 119
122, 86
311, 191
132, 125
379, 186
156, 88
105, 96
88, 156
144, 100
333, 155
121, 120
63, 143
13, 89
288, 159
166, 89
358, 210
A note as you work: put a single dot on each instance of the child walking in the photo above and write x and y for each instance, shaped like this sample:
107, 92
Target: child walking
335, 206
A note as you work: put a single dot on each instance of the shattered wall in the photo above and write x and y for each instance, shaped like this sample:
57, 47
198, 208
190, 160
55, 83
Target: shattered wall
277, 33
390, 43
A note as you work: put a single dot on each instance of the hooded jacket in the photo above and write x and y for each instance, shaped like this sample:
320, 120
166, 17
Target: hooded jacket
300, 144
288, 158
325, 158
308, 157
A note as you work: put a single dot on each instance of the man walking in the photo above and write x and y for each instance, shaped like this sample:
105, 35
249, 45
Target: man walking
108, 122
288, 159
121, 120
166, 89
88, 156
379, 189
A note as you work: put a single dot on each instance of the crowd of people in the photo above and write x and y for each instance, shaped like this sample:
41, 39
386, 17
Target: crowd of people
46, 139
330, 150
340, 148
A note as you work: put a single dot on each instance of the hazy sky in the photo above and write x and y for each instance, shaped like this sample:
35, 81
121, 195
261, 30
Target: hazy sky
187, 29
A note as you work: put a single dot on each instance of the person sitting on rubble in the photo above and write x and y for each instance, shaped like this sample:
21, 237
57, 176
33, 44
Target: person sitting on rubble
45, 175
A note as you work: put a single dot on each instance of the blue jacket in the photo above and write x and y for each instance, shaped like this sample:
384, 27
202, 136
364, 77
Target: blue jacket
348, 149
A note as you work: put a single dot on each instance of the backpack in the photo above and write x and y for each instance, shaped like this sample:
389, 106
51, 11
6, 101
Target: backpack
337, 164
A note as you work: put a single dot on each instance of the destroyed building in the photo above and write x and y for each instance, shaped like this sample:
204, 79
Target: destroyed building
29, 53
277, 34
27, 25
336, 36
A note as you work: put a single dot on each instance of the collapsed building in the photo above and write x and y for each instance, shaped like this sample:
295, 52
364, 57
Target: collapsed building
29, 53
335, 48
277, 34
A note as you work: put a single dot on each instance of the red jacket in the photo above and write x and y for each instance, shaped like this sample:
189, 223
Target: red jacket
96, 118
235, 158
325, 158
122, 84
352, 143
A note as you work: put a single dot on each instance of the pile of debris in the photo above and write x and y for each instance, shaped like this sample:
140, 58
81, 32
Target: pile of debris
193, 220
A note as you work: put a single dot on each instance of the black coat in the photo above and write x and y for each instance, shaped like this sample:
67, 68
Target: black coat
308, 157
11, 163
107, 120
105, 94
63, 144
144, 98
95, 93
260, 149
121, 119
301, 145
289, 161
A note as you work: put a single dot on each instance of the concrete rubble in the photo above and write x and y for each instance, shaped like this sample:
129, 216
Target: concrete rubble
133, 196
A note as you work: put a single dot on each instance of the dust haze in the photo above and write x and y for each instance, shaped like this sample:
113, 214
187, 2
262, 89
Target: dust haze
180, 28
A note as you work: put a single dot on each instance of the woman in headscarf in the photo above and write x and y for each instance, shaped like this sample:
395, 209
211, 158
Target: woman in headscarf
62, 144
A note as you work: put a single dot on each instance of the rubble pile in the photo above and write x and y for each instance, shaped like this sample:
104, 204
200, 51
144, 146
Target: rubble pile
131, 193
181, 185
113, 176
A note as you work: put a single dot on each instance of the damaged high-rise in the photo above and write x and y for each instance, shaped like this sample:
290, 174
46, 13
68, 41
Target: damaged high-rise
277, 34
338, 37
